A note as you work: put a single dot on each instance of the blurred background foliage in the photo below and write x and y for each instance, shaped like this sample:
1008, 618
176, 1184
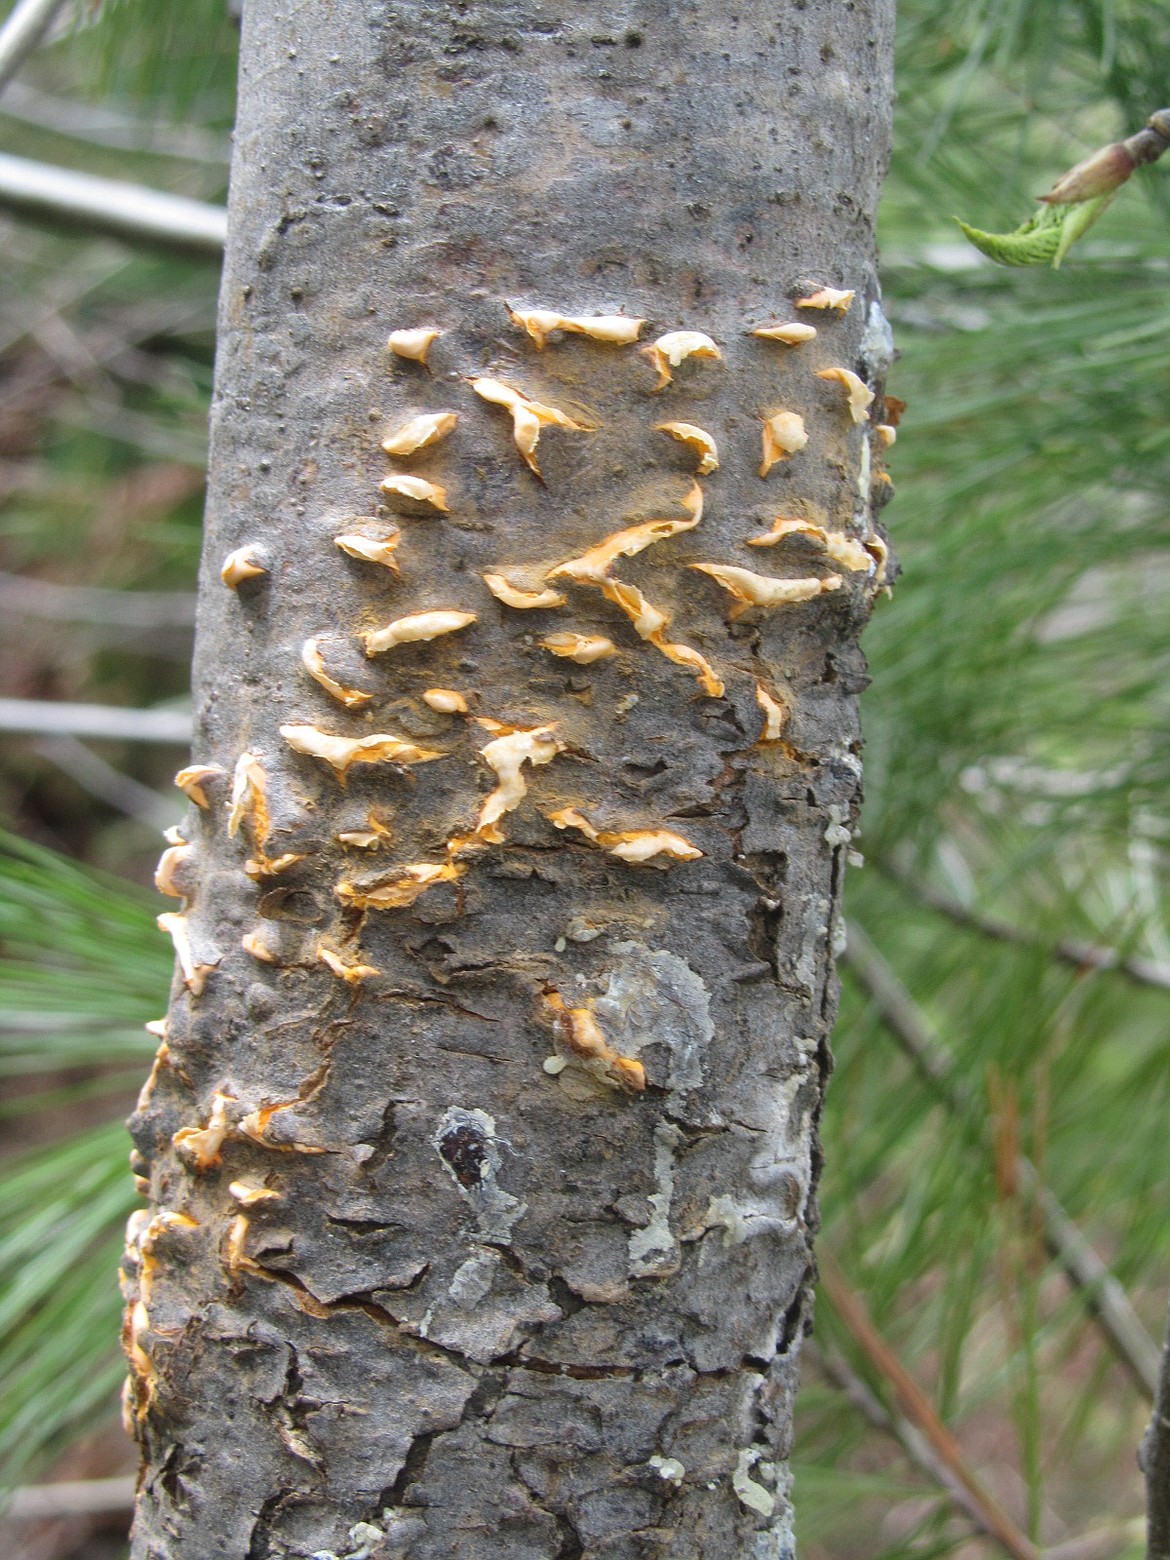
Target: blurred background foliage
1009, 915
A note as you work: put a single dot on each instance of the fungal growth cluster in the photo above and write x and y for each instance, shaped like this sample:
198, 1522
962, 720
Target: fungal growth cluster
597, 604
524, 584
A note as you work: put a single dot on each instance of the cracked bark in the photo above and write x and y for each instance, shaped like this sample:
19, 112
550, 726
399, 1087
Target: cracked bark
536, 1270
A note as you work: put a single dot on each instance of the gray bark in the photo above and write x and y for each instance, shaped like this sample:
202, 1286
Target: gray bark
498, 1307
1154, 1459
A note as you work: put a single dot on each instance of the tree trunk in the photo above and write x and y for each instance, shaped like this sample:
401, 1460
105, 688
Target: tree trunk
482, 1144
1154, 1459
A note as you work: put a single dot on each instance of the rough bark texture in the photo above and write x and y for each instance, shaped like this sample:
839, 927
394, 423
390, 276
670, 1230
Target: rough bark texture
536, 1269
1154, 1458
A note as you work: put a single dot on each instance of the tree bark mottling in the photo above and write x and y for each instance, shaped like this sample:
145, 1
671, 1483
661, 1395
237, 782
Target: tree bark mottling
498, 1307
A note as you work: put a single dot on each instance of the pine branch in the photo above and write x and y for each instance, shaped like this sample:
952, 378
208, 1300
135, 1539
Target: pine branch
1069, 950
127, 211
1103, 1295
97, 125
96, 604
109, 784
919, 1409
72, 1498
47, 717
1104, 1543
27, 24
837, 1370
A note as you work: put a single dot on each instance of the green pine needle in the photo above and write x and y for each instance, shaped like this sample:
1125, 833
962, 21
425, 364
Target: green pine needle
81, 969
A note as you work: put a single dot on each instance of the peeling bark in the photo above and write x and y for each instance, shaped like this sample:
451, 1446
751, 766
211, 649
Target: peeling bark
492, 1073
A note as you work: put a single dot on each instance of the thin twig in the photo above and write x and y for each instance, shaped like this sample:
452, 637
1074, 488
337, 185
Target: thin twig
111, 418
837, 1370
96, 205
101, 126
1155, 1461
108, 784
1104, 1296
1099, 1544
45, 717
920, 1411
67, 288
27, 24
77, 1498
95, 604
1070, 950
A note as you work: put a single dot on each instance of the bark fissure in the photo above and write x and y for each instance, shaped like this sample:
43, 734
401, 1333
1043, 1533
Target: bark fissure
483, 1139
